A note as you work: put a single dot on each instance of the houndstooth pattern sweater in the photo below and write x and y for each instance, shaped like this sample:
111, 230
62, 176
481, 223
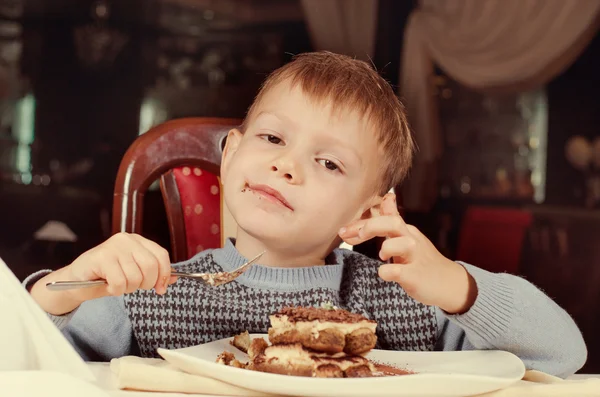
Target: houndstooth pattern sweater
192, 312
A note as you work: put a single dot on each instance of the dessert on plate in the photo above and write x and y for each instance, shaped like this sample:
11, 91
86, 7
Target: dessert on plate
241, 341
309, 341
326, 329
295, 359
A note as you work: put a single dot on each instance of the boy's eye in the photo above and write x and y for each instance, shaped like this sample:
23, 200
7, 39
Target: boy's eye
330, 165
272, 139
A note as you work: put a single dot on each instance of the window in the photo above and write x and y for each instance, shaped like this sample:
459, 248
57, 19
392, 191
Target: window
152, 113
494, 144
24, 131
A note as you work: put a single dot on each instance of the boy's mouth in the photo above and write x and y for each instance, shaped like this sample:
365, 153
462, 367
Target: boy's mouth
268, 193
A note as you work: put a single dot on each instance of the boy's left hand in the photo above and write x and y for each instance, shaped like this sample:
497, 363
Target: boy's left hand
422, 271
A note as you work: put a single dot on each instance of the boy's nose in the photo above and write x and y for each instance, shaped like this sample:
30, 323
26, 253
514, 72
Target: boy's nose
288, 169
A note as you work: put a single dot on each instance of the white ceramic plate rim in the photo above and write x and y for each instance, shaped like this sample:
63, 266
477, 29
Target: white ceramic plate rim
268, 382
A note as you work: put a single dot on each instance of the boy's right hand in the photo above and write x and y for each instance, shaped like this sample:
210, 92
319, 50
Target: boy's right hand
127, 262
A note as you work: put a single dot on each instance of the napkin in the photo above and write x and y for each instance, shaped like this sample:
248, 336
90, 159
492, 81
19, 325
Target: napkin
30, 341
157, 375
152, 374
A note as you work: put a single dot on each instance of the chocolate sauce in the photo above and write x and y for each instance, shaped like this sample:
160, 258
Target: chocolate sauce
388, 370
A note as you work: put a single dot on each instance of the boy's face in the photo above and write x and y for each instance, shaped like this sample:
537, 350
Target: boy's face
299, 172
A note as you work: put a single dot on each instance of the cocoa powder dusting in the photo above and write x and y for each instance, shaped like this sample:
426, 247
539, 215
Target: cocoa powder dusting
297, 314
388, 370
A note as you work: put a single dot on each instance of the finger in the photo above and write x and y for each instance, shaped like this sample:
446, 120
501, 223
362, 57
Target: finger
164, 278
383, 226
350, 233
133, 274
389, 205
352, 229
391, 272
115, 278
139, 265
148, 265
402, 249
353, 240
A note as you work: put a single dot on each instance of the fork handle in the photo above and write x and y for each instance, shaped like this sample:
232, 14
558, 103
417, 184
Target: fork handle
65, 285
182, 274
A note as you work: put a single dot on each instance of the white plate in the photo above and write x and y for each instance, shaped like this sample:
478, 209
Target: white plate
463, 373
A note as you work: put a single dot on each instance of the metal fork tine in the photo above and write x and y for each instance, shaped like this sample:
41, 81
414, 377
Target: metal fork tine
251, 261
208, 277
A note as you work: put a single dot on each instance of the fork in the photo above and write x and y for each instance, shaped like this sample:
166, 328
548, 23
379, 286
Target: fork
213, 279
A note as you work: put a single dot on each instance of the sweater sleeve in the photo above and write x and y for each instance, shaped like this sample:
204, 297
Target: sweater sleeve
60, 321
99, 330
511, 314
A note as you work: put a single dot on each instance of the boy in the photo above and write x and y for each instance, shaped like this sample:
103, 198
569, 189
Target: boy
323, 142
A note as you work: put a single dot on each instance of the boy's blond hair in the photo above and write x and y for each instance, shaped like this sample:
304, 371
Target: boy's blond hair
351, 84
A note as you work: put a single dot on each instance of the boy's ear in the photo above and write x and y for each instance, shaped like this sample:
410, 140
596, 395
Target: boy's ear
234, 137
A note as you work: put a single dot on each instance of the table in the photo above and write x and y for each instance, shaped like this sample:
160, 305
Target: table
107, 381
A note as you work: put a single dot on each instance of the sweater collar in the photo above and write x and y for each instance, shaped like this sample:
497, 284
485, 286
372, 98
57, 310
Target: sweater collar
280, 278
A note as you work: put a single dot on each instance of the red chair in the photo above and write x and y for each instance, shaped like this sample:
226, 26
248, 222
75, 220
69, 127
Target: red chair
186, 155
492, 238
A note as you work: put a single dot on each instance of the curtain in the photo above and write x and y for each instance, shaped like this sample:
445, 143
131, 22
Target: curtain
342, 26
487, 45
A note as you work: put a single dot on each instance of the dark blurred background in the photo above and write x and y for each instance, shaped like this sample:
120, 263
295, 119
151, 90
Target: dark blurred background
81, 79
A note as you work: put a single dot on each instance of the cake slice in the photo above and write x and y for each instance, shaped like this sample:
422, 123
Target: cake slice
241, 341
295, 359
327, 330
228, 358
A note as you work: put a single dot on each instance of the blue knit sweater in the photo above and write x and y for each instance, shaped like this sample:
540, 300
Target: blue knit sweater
509, 313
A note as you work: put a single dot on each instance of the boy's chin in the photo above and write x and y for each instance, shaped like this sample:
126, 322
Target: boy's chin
266, 233
284, 239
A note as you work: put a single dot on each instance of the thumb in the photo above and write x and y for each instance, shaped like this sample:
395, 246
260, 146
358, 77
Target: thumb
388, 205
